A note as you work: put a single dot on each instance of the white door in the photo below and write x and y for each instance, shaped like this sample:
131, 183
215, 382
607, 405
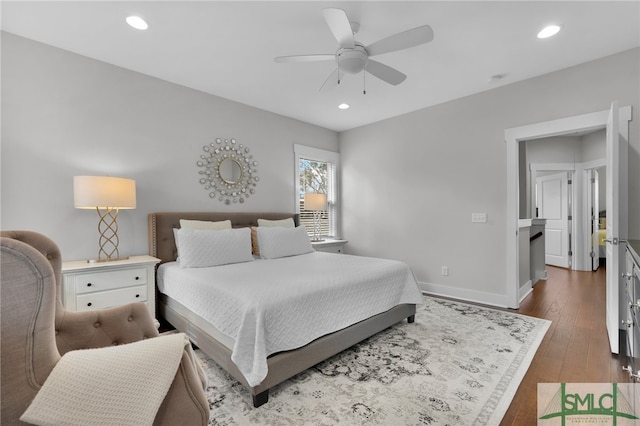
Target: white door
592, 202
553, 205
616, 198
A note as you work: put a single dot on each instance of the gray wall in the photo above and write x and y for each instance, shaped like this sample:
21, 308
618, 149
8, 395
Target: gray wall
410, 183
567, 149
594, 145
65, 115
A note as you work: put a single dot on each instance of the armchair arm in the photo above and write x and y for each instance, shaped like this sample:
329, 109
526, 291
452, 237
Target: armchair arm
104, 327
186, 402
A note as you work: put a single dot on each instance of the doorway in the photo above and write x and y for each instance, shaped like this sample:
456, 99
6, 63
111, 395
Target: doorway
597, 214
544, 164
616, 121
514, 138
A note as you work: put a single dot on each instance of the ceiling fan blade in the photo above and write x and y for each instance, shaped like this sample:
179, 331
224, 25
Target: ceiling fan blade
331, 81
403, 40
340, 27
305, 58
385, 72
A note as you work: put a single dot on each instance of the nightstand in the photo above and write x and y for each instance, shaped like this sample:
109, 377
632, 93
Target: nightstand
329, 245
88, 285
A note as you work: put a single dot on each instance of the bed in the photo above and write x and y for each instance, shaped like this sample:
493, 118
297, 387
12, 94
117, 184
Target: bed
263, 355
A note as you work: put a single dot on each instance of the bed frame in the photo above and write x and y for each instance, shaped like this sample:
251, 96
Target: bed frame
282, 365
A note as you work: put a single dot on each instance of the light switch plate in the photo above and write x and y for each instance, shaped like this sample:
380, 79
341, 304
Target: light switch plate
479, 217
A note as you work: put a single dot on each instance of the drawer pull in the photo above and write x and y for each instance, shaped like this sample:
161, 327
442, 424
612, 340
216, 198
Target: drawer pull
137, 295
137, 278
88, 284
89, 304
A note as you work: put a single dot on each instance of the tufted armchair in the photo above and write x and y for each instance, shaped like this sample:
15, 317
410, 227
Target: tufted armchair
37, 331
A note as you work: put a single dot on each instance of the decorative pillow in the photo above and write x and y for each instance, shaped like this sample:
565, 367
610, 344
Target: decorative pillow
286, 223
278, 242
199, 249
205, 224
255, 248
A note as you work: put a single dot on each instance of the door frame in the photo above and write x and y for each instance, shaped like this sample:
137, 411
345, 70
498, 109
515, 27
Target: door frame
515, 135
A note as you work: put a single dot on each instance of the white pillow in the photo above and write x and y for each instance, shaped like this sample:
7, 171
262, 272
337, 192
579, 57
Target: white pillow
200, 249
205, 224
278, 242
200, 224
287, 223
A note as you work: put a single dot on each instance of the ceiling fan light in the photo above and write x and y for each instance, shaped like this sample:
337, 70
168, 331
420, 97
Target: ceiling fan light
137, 22
549, 31
343, 106
352, 61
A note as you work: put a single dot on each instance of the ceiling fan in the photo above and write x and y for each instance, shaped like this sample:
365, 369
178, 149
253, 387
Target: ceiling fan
353, 57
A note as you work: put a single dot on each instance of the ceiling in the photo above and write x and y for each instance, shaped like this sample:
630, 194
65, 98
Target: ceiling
227, 48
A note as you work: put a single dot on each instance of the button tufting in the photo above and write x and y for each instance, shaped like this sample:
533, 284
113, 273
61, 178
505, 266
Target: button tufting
57, 332
114, 343
96, 325
130, 319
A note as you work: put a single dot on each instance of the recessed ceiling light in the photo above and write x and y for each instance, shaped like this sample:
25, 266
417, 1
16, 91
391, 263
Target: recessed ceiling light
549, 31
343, 106
137, 22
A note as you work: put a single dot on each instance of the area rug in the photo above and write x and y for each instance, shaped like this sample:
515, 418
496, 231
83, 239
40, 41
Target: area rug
458, 364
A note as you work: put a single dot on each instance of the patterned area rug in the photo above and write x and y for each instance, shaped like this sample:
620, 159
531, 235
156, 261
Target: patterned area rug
458, 364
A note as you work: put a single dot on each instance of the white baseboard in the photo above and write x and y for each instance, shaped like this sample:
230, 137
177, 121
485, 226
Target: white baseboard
524, 290
464, 294
540, 275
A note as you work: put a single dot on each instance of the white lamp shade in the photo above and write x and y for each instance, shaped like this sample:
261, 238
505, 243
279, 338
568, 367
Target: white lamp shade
314, 201
90, 192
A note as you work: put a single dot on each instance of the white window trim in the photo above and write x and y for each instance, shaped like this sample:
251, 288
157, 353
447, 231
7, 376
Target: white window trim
317, 154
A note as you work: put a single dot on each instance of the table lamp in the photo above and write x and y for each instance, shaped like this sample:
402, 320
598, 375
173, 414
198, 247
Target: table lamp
317, 203
107, 195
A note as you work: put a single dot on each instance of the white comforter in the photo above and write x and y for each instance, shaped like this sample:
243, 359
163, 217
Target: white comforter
274, 305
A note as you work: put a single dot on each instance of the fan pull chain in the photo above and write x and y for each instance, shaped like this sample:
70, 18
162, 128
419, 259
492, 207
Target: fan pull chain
364, 83
339, 68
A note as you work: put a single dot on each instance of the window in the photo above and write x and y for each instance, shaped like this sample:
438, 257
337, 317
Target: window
316, 170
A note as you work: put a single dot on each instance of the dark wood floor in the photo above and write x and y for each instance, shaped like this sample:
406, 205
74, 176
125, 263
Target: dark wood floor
575, 348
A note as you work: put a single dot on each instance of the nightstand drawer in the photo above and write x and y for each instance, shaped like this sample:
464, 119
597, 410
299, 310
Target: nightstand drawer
330, 249
329, 245
97, 285
101, 281
107, 299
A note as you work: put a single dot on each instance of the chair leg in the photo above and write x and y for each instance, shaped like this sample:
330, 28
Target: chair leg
261, 398
411, 319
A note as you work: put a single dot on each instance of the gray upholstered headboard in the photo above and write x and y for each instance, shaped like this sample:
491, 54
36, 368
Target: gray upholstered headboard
161, 241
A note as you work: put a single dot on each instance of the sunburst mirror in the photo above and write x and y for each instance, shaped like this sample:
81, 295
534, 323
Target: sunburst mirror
228, 171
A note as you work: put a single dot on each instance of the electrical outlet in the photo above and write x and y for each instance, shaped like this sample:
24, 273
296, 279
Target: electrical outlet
445, 271
479, 217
